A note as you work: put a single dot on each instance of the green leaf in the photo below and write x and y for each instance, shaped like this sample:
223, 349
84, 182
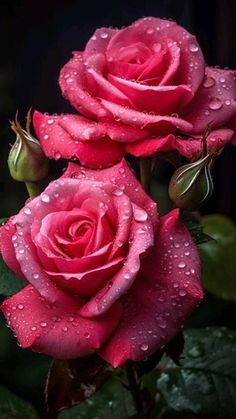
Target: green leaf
195, 228
71, 382
13, 407
205, 382
10, 283
113, 400
218, 257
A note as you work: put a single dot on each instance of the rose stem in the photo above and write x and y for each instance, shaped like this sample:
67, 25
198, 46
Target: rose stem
134, 387
145, 166
33, 189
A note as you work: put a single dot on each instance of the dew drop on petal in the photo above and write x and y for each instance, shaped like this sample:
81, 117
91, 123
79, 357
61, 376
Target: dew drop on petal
215, 104
117, 192
104, 35
181, 265
144, 347
209, 82
20, 306
50, 121
193, 47
182, 293
45, 197
27, 210
140, 214
43, 324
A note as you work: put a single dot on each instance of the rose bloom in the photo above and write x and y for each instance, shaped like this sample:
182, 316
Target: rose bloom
142, 89
103, 272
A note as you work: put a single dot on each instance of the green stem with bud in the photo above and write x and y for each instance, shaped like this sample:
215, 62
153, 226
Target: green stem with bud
134, 387
145, 167
33, 188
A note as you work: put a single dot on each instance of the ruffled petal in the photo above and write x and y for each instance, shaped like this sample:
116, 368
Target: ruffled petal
163, 295
154, 123
57, 329
58, 143
120, 175
161, 100
214, 103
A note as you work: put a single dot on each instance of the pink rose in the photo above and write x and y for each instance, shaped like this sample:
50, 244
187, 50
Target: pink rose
103, 272
141, 89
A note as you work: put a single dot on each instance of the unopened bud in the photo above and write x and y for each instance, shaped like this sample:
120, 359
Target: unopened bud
26, 161
191, 185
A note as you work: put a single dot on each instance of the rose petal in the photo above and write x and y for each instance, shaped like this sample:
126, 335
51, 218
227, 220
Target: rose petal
57, 143
121, 176
162, 297
192, 148
161, 100
7, 238
57, 330
214, 103
141, 240
74, 85
155, 123
151, 31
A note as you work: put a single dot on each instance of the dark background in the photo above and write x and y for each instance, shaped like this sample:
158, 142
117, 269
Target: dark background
37, 38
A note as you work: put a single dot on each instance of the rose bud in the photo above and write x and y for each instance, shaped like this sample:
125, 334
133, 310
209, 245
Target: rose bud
191, 185
26, 161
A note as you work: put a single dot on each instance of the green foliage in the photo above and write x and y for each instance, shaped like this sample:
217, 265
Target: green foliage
10, 283
205, 382
113, 400
218, 257
71, 382
195, 228
13, 407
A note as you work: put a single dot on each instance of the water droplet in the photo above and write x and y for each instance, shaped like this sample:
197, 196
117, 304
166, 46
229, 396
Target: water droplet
45, 198
181, 265
150, 31
35, 275
104, 35
140, 214
162, 324
182, 293
222, 79
14, 238
65, 329
117, 192
33, 328
20, 306
227, 102
46, 137
215, 104
144, 347
43, 324
193, 47
87, 335
21, 251
57, 155
27, 211
50, 121
194, 352
209, 82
